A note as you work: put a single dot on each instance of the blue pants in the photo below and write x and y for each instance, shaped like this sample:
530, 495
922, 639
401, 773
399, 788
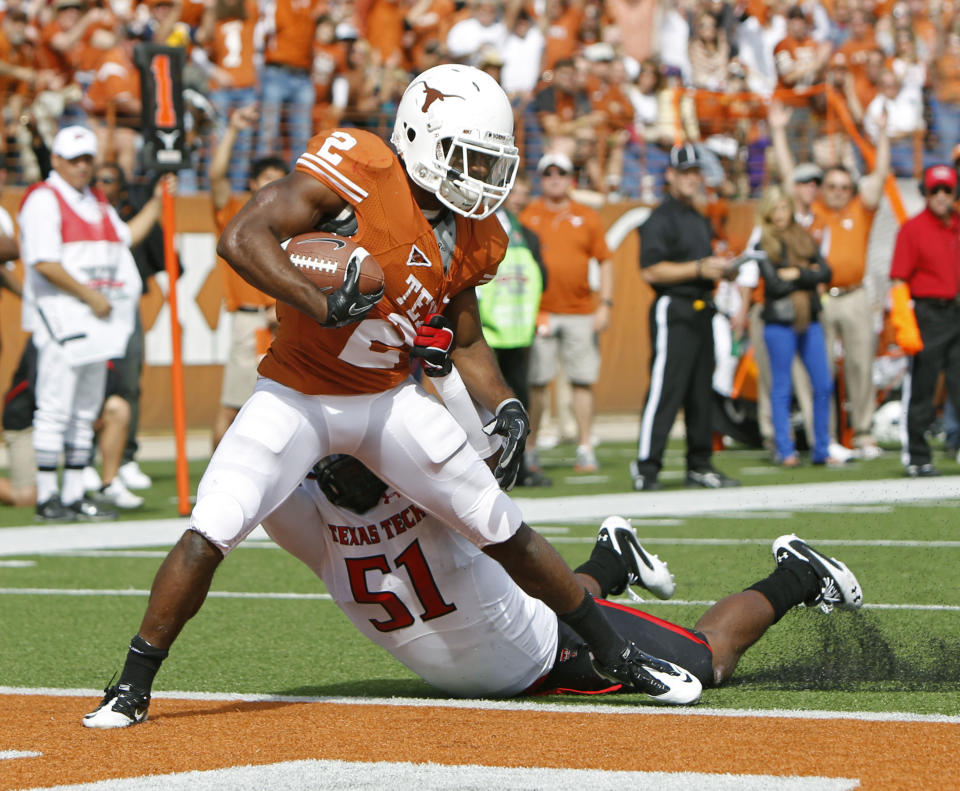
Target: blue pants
782, 344
289, 94
226, 101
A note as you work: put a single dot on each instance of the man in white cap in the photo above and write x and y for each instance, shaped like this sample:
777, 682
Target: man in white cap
80, 292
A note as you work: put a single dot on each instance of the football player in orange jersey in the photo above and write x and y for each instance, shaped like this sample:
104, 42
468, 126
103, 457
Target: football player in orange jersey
337, 377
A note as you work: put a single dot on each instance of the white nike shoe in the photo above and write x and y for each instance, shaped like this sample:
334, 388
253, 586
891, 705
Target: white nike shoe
838, 585
119, 495
658, 679
642, 568
121, 707
133, 477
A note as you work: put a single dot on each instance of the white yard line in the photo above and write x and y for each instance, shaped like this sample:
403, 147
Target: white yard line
512, 705
327, 597
37, 540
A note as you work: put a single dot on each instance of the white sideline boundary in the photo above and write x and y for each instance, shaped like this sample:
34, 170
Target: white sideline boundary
375, 776
513, 705
42, 539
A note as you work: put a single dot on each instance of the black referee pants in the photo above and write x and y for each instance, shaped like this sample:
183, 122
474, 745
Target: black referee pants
939, 323
681, 375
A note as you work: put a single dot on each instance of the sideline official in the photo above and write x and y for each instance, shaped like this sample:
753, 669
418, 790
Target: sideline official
676, 259
926, 267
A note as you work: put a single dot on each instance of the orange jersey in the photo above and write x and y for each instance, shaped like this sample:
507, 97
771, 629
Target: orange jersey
787, 55
25, 56
569, 238
384, 28
191, 12
237, 292
373, 355
115, 78
233, 48
947, 78
292, 41
561, 36
609, 99
843, 237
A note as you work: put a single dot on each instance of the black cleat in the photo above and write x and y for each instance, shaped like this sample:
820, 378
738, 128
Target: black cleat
710, 479
87, 510
663, 681
52, 510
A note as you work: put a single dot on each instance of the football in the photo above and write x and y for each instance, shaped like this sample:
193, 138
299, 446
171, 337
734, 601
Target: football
323, 258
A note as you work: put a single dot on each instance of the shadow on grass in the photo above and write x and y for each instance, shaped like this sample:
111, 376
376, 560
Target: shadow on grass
852, 653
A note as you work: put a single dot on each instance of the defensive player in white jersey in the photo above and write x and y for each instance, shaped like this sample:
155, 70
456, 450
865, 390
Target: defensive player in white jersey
453, 616
337, 377
80, 292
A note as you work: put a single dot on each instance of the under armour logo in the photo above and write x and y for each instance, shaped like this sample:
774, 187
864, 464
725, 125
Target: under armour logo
433, 95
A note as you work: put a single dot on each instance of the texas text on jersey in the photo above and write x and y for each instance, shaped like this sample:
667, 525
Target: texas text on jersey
372, 355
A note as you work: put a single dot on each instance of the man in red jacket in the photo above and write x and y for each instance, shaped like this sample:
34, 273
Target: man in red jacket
926, 267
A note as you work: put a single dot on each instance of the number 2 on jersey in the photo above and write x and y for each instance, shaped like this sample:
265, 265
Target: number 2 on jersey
424, 586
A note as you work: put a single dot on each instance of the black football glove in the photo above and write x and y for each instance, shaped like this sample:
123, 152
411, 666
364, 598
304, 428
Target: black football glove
511, 422
661, 680
433, 345
347, 305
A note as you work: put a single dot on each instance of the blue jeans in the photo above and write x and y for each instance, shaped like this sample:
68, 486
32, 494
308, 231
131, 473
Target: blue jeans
946, 120
226, 101
291, 94
782, 344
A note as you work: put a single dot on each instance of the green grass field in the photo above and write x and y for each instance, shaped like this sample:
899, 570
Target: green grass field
899, 656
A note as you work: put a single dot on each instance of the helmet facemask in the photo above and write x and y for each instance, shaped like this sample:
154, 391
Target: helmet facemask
477, 176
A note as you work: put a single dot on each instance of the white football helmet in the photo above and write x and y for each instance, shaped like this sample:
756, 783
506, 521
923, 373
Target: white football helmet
454, 132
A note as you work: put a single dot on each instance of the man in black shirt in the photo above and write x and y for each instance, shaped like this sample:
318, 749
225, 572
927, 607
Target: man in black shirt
676, 258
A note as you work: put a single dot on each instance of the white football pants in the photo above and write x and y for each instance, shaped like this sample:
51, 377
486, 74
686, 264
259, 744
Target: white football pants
404, 435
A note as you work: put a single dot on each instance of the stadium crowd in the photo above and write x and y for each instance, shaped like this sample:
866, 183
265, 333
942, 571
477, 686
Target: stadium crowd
765, 90
610, 84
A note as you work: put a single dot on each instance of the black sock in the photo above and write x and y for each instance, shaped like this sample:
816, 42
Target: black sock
143, 662
607, 568
592, 625
794, 582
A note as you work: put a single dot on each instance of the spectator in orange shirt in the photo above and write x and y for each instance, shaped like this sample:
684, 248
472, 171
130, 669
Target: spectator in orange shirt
571, 318
72, 41
609, 99
860, 41
426, 23
252, 312
382, 27
21, 78
116, 89
565, 116
844, 215
560, 23
228, 33
800, 60
286, 90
